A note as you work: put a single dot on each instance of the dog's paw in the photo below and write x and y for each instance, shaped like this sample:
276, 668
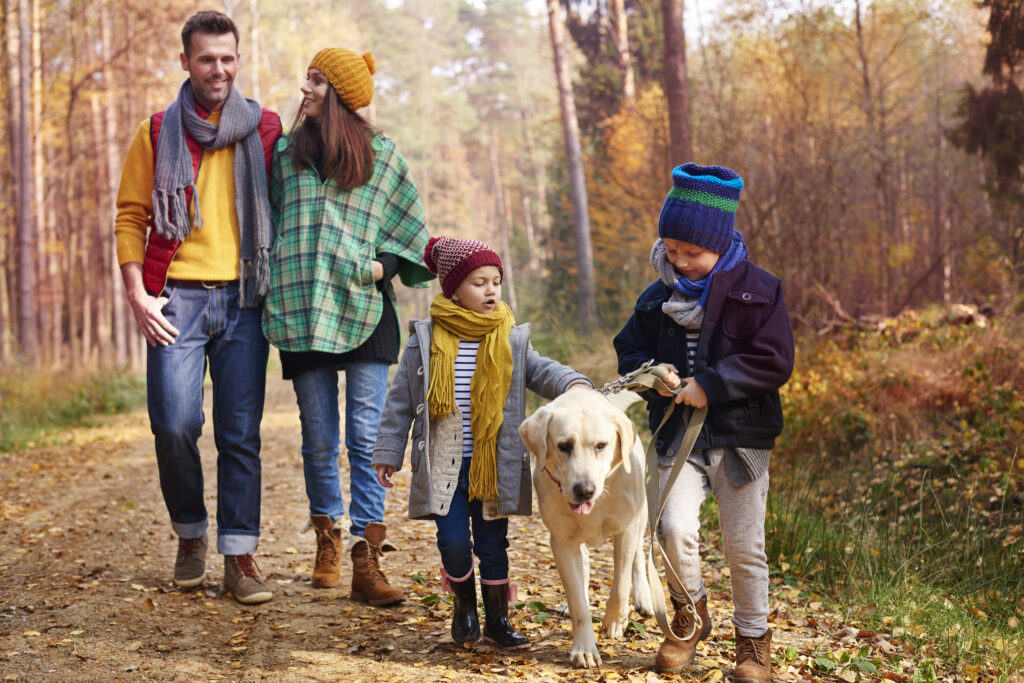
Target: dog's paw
585, 657
563, 610
614, 630
645, 608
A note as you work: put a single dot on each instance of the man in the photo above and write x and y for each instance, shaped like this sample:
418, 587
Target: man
193, 230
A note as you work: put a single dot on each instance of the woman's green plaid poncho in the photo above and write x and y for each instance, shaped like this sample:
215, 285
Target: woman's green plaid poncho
322, 293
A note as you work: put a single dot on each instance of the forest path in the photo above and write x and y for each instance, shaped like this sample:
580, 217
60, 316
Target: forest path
86, 554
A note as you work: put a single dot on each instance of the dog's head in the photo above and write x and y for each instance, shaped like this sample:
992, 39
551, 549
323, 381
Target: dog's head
580, 438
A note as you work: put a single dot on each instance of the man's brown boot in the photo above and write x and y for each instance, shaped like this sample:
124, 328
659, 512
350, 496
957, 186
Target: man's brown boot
368, 582
753, 659
674, 655
328, 551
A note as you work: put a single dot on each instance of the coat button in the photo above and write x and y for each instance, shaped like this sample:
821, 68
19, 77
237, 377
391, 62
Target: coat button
746, 296
421, 446
419, 409
419, 371
671, 332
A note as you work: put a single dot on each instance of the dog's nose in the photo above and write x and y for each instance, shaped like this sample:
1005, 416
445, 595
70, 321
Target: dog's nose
583, 491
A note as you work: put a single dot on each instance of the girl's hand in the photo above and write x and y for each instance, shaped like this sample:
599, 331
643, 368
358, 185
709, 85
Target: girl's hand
671, 379
692, 394
384, 474
378, 270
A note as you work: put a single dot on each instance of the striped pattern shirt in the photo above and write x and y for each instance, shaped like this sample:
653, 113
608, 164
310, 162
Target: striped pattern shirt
692, 337
465, 366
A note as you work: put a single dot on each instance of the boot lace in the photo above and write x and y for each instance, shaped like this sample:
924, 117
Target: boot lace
247, 566
752, 648
188, 546
374, 573
326, 549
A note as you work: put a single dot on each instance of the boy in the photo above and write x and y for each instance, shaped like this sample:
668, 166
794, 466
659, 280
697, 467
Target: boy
719, 322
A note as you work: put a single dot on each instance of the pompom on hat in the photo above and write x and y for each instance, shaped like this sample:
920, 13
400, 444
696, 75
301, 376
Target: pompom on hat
701, 206
350, 74
452, 259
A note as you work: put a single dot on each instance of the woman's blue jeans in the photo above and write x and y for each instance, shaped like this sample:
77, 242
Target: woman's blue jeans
489, 540
316, 392
212, 330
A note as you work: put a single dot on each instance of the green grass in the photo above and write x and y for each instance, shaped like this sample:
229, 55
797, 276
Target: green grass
36, 404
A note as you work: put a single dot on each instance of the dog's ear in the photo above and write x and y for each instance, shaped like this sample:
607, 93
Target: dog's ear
627, 435
534, 433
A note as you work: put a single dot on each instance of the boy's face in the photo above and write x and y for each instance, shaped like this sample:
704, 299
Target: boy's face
689, 260
480, 292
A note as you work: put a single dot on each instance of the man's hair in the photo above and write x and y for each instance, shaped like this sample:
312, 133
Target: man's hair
207, 21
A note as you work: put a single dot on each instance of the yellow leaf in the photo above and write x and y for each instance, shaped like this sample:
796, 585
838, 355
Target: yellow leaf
32, 634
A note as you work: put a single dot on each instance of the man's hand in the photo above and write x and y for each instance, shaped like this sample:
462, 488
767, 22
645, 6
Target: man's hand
146, 308
384, 474
692, 394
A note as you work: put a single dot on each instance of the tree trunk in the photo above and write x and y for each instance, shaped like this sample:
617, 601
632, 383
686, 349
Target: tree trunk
540, 181
115, 289
28, 320
508, 280
7, 193
577, 180
620, 35
677, 87
254, 50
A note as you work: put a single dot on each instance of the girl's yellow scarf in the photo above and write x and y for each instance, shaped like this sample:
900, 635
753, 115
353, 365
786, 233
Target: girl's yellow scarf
487, 390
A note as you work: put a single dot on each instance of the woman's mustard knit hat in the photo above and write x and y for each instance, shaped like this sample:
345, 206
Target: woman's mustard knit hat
349, 73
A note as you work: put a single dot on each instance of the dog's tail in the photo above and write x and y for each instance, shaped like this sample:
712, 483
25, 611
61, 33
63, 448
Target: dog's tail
623, 399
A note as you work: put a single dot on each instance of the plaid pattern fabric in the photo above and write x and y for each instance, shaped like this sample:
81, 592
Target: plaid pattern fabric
322, 293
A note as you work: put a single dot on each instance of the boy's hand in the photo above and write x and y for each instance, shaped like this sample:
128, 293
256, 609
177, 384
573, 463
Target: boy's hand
384, 473
692, 394
671, 379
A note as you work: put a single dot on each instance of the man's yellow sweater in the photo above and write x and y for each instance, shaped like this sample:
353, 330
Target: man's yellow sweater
210, 252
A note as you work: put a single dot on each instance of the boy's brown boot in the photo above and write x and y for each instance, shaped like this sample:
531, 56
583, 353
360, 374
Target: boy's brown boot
368, 582
753, 659
327, 571
674, 655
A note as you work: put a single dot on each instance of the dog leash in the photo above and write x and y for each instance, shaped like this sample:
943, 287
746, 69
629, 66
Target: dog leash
649, 376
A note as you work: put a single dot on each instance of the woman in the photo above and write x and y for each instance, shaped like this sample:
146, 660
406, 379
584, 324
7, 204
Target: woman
347, 219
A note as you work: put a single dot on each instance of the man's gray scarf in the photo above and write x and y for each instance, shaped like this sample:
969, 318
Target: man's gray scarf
173, 175
681, 308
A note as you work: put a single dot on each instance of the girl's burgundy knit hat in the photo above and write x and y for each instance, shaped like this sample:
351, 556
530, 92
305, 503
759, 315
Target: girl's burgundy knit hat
452, 259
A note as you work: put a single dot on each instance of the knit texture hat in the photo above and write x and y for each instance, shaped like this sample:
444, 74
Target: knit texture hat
701, 206
452, 259
349, 73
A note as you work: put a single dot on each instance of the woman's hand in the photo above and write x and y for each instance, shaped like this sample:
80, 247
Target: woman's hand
378, 270
384, 472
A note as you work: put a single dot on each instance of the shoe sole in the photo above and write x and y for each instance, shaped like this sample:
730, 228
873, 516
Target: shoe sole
253, 599
676, 669
324, 584
359, 597
190, 583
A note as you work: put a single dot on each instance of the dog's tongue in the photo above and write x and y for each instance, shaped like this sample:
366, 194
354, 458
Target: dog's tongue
582, 508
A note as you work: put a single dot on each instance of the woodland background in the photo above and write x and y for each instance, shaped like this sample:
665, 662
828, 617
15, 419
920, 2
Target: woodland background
879, 141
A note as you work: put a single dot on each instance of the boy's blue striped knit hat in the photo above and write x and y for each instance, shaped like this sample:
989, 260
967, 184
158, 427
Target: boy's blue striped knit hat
701, 206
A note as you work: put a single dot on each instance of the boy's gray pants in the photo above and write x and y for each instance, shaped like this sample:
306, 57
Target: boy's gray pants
741, 513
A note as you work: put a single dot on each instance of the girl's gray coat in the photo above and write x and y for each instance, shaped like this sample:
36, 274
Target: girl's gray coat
406, 406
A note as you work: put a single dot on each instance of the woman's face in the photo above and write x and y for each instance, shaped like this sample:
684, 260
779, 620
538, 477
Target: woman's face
314, 92
480, 292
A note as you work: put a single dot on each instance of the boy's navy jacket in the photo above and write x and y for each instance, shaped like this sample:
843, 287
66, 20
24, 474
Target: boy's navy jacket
744, 355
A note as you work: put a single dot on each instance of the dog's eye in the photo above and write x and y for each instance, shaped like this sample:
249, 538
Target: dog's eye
600, 446
565, 447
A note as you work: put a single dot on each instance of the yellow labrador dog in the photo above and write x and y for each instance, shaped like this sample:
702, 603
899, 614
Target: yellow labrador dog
589, 478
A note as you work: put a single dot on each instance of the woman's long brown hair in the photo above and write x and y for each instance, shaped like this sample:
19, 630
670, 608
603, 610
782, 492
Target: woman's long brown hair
338, 145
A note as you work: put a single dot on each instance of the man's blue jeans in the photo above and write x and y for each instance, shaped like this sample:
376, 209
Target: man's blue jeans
213, 331
489, 539
316, 391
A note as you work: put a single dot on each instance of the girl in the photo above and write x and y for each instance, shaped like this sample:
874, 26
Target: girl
347, 218
461, 387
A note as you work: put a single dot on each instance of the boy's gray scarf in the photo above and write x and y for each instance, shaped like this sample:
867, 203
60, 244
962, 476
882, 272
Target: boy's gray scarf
686, 311
173, 175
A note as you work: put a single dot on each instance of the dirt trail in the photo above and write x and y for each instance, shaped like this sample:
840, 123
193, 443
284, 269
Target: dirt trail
86, 553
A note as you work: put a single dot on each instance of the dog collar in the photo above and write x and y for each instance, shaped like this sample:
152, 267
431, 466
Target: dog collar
557, 483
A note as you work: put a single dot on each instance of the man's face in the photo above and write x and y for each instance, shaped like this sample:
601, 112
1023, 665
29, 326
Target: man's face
211, 63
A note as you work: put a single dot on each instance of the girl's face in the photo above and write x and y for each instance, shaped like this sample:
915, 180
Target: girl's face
480, 291
314, 91
689, 260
